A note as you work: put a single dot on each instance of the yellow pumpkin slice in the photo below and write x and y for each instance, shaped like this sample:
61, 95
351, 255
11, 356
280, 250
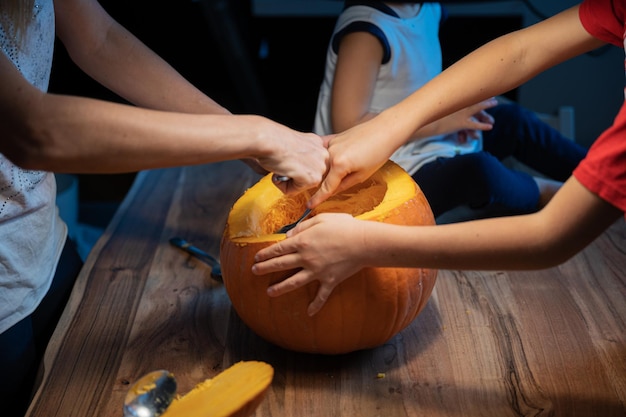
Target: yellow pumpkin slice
365, 310
235, 392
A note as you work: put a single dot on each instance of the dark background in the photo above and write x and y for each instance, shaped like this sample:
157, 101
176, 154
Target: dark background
280, 74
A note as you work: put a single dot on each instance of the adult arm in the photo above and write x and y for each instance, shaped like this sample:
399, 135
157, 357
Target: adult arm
115, 58
82, 135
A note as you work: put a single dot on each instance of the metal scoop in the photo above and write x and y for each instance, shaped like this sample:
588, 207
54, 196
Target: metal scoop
150, 395
290, 226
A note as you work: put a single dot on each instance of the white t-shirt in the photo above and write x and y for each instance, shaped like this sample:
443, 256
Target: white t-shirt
31, 232
410, 37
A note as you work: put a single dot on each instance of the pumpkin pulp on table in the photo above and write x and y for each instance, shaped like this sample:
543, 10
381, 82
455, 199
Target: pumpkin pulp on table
235, 392
365, 310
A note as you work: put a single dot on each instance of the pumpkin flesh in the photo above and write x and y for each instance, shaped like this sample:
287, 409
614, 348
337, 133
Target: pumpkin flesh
235, 392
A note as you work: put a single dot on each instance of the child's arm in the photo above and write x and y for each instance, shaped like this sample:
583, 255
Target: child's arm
330, 247
358, 63
495, 68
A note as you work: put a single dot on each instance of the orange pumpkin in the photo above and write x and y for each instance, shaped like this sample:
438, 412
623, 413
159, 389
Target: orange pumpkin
364, 311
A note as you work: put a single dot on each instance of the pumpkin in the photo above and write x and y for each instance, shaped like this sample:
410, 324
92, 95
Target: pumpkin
235, 392
365, 310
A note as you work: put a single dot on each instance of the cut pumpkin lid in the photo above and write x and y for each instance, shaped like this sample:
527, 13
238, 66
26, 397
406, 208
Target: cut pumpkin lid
235, 392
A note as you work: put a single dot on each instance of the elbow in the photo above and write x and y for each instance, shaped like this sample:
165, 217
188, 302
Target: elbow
553, 238
552, 257
29, 161
32, 145
555, 251
26, 157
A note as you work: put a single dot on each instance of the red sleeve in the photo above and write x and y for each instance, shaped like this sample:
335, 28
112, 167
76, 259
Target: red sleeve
604, 19
603, 171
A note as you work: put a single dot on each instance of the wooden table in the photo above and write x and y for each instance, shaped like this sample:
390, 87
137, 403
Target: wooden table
541, 343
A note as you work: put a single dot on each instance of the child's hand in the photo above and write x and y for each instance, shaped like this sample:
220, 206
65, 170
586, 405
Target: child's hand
472, 119
325, 247
355, 155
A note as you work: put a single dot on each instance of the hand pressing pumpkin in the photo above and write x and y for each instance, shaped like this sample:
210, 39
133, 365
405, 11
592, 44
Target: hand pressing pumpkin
365, 310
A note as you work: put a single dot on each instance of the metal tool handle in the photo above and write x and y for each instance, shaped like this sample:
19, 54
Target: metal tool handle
280, 178
183, 244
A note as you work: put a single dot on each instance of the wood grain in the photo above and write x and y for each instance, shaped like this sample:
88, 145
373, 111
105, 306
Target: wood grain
531, 343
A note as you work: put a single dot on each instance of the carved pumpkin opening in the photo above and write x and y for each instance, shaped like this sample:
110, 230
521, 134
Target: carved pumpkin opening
365, 310
357, 200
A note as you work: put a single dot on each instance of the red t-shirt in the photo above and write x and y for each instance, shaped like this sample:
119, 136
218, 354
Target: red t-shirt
603, 171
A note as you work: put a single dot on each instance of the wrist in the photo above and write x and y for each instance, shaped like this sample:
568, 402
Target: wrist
396, 130
261, 135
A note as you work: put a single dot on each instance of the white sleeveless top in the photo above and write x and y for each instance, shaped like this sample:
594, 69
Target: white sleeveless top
412, 58
31, 232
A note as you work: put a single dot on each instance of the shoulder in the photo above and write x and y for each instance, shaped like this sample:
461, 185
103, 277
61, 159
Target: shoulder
358, 17
604, 19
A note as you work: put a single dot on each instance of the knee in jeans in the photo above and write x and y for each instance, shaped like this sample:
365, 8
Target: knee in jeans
485, 176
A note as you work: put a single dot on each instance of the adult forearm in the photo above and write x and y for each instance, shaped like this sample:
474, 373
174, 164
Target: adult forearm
71, 134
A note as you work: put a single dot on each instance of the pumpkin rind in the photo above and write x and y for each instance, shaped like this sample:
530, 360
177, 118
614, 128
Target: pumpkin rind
365, 310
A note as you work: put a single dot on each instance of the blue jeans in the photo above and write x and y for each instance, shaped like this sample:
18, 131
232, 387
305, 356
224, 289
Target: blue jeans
23, 345
480, 180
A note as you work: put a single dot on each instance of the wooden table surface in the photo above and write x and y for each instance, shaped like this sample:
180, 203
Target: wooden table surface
539, 343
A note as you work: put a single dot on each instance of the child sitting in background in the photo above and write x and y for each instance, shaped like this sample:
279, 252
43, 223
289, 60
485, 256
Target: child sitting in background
381, 52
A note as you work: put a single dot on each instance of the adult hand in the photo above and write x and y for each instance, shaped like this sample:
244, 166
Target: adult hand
302, 157
324, 248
